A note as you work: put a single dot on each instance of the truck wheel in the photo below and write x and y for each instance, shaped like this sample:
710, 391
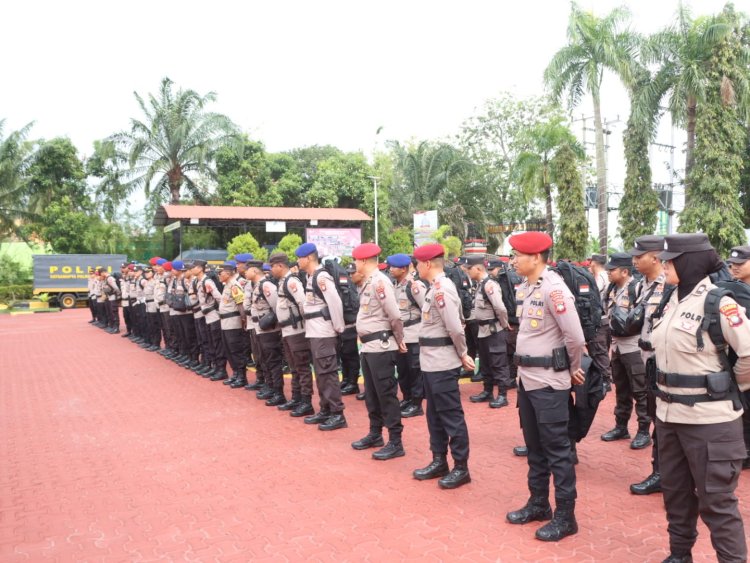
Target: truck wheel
67, 300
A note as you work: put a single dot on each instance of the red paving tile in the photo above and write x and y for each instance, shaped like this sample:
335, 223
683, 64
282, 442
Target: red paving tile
110, 453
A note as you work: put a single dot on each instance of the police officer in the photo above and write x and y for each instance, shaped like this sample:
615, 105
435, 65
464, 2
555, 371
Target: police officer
91, 297
153, 338
259, 385
168, 330
471, 329
492, 322
102, 299
628, 369
599, 347
324, 322
410, 294
381, 333
231, 314
698, 412
442, 353
139, 304
291, 297
548, 354
209, 298
649, 292
124, 284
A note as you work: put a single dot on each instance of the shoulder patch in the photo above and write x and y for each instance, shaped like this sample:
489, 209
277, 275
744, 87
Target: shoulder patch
415, 289
292, 286
437, 284
380, 290
558, 300
732, 312
322, 284
440, 300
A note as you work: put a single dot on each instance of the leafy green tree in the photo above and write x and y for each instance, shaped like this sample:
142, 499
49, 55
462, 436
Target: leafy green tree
173, 146
573, 229
56, 172
105, 167
713, 191
246, 243
341, 181
398, 241
65, 228
12, 272
15, 153
594, 44
288, 244
451, 244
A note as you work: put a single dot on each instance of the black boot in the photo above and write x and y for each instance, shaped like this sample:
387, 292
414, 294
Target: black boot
563, 523
230, 381
642, 439
334, 422
255, 385
679, 557
210, 373
264, 394
291, 404
438, 467
414, 409
482, 397
500, 401
349, 388
404, 404
536, 509
240, 380
477, 377
322, 416
457, 477
304, 408
521, 451
220, 375
372, 440
276, 400
361, 396
394, 448
650, 485
617, 433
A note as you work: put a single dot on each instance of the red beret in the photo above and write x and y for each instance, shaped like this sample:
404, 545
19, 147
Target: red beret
365, 251
504, 259
131, 267
382, 266
153, 260
428, 252
532, 242
167, 266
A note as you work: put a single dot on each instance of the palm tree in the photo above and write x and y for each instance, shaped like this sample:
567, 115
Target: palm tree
174, 144
594, 44
534, 167
15, 153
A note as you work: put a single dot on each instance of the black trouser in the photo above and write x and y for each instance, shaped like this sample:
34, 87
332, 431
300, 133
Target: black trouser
104, 312
254, 348
190, 339
235, 347
701, 464
512, 337
325, 353
409, 373
445, 414
651, 405
92, 307
154, 332
166, 330
218, 356
297, 350
629, 376
139, 320
380, 393
203, 343
350, 355
599, 350
114, 314
544, 421
746, 426
471, 330
493, 356
271, 358
126, 317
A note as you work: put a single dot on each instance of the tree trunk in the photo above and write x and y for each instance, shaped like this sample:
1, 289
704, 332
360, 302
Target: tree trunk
548, 201
690, 147
601, 175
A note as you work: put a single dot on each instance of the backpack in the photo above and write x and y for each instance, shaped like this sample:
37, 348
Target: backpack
508, 280
409, 294
588, 305
463, 286
618, 319
213, 276
296, 317
345, 288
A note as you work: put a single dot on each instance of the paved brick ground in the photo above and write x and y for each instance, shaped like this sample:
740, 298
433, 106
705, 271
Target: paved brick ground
110, 453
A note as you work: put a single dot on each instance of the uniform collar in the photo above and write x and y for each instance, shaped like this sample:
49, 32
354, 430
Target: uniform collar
702, 287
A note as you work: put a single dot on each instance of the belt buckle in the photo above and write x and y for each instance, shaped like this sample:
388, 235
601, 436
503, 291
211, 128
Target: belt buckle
384, 341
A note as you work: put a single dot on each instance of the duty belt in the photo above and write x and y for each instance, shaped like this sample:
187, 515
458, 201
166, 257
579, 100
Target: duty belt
290, 321
314, 315
487, 322
533, 361
383, 336
161, 303
679, 380
229, 315
149, 300
412, 322
207, 310
438, 341
719, 385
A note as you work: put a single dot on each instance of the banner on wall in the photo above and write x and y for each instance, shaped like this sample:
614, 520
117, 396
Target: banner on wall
334, 242
425, 225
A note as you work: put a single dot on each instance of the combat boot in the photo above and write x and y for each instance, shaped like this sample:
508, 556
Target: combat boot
393, 449
563, 523
276, 400
482, 397
642, 439
322, 416
291, 403
240, 380
438, 467
414, 409
500, 401
521, 451
349, 388
679, 557
536, 509
372, 440
264, 394
617, 433
304, 408
255, 385
650, 485
220, 375
229, 381
334, 422
457, 477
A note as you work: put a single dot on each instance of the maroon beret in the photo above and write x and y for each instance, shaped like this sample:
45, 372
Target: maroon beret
365, 251
532, 242
428, 252
153, 260
382, 266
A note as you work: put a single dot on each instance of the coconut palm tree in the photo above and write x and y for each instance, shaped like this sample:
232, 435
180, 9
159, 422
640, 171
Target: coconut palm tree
594, 44
15, 152
173, 145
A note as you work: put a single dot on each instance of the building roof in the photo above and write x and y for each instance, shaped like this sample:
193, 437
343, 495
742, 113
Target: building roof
168, 213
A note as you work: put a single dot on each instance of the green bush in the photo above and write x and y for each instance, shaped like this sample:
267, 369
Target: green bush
288, 244
246, 243
14, 292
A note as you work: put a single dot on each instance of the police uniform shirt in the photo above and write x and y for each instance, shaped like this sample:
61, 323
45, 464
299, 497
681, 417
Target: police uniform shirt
178, 289
140, 285
149, 288
619, 298
286, 305
264, 297
378, 312
602, 282
548, 320
208, 299
247, 302
124, 292
160, 292
441, 317
231, 301
674, 339
490, 308
114, 289
407, 310
91, 286
318, 327
642, 291
98, 290
132, 288
192, 290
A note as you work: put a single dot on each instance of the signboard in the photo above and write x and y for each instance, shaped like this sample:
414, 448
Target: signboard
334, 242
70, 272
425, 225
275, 226
172, 227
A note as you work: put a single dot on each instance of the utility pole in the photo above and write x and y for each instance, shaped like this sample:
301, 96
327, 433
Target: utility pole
375, 190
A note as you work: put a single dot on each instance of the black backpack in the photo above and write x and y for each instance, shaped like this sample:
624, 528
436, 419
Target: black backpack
508, 280
586, 294
345, 287
213, 276
463, 286
618, 320
409, 294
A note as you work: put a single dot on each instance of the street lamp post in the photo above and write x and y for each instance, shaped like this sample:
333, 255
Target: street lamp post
375, 190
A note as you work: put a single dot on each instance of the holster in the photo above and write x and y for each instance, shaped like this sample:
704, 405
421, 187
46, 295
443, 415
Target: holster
651, 373
560, 360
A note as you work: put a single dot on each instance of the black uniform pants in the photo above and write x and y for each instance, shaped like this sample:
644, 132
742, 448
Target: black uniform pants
544, 421
409, 373
629, 376
445, 414
325, 353
651, 405
114, 314
235, 347
350, 355
701, 464
203, 343
190, 342
512, 337
166, 329
126, 317
297, 350
154, 333
139, 320
260, 373
271, 357
599, 350
218, 357
104, 312
380, 393
493, 356
92, 307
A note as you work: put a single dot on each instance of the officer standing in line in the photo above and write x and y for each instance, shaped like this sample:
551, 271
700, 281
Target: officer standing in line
471, 329
698, 408
169, 332
209, 298
324, 322
91, 296
134, 321
185, 318
496, 268
291, 297
410, 297
442, 353
739, 261
102, 301
124, 284
260, 384
548, 354
113, 298
599, 347
492, 322
381, 332
650, 290
176, 291
628, 369
139, 306
153, 338
231, 314
160, 295
197, 268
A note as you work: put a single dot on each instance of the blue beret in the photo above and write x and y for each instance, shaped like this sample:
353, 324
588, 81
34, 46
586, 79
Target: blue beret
266, 267
178, 265
305, 249
160, 262
242, 257
398, 261
229, 265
